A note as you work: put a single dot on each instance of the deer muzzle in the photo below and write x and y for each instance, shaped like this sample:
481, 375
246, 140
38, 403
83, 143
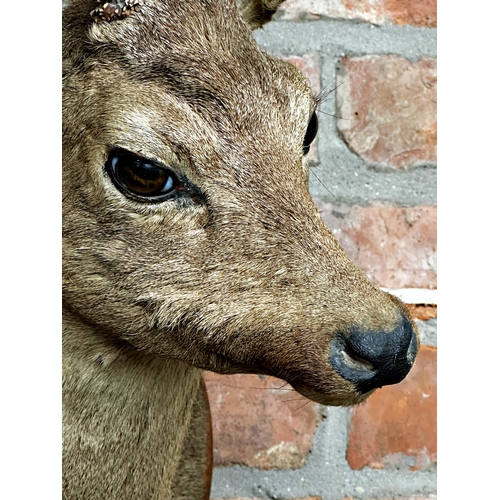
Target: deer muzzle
372, 359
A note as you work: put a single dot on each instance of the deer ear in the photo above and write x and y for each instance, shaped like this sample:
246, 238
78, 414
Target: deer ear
256, 13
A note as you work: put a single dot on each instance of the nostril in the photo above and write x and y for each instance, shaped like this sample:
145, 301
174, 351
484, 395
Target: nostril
371, 359
351, 359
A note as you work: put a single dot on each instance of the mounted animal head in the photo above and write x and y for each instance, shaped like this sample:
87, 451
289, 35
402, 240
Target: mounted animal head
189, 231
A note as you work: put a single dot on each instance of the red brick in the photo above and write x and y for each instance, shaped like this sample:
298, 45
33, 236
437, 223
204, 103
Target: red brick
309, 65
430, 497
395, 246
246, 429
388, 110
398, 421
415, 12
423, 312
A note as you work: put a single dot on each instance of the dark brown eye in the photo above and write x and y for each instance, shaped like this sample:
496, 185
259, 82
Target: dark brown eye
139, 177
312, 130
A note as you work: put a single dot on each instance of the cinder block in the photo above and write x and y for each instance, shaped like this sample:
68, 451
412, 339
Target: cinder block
246, 498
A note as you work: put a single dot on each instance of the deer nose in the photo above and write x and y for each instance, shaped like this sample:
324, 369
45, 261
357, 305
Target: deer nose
372, 359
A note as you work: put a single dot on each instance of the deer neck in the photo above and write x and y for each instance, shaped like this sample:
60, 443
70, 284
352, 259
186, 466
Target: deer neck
125, 418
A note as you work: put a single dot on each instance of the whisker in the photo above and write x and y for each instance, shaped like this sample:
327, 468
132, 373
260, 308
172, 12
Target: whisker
268, 388
321, 96
325, 113
319, 180
281, 388
333, 116
326, 100
302, 406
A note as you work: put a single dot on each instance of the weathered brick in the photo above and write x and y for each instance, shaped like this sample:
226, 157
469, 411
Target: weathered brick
309, 65
395, 246
430, 497
388, 110
396, 427
415, 12
423, 312
245, 428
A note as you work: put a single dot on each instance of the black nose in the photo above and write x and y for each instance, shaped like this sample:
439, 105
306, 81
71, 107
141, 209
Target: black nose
374, 359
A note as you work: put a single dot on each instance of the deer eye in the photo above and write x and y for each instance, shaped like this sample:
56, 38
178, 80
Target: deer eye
139, 177
312, 130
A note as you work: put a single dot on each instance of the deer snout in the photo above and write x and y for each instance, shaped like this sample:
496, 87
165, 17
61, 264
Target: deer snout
372, 359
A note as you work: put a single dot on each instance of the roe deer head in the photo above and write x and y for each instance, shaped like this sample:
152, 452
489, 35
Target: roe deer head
191, 241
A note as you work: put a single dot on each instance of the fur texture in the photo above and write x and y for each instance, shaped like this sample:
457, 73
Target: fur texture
239, 274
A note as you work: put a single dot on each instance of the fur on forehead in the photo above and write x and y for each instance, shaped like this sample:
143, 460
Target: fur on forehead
162, 31
197, 49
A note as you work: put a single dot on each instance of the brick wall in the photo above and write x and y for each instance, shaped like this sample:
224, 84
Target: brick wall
374, 180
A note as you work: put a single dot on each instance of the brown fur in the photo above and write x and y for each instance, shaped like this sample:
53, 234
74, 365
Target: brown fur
243, 278
195, 466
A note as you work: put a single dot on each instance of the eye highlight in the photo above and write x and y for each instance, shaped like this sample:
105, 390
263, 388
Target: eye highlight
312, 130
140, 178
